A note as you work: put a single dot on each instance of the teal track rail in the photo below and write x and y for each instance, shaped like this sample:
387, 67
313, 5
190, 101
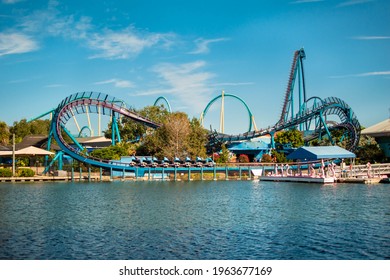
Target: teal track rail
96, 103
331, 106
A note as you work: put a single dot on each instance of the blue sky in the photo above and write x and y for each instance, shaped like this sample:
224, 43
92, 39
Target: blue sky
189, 51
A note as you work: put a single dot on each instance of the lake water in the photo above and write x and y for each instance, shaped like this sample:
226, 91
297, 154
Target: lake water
194, 220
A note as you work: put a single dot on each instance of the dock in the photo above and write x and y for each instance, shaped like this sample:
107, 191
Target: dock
53, 179
300, 179
374, 180
262, 172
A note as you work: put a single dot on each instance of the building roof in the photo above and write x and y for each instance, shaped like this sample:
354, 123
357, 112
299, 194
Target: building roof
28, 151
320, 152
4, 148
248, 145
39, 141
378, 130
32, 140
93, 139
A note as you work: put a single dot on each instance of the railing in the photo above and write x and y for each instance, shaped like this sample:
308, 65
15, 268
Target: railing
373, 170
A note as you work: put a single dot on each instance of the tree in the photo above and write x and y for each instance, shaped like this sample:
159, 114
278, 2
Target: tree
23, 128
114, 152
177, 137
370, 152
131, 130
153, 144
293, 137
4, 134
177, 130
223, 155
197, 139
279, 157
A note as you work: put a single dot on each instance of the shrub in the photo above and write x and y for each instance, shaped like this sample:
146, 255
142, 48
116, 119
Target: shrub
266, 158
5, 172
26, 172
280, 157
243, 158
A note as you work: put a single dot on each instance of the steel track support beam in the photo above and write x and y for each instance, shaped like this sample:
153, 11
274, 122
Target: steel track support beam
72, 138
326, 128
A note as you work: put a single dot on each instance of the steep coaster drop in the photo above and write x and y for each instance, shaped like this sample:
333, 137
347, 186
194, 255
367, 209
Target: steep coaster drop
314, 116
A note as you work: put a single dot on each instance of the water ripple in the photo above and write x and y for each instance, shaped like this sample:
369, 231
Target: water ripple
197, 220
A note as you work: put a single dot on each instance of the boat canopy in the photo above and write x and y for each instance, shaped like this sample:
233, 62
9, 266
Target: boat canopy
320, 152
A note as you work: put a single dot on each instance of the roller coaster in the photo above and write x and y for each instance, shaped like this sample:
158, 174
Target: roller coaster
92, 102
314, 116
317, 118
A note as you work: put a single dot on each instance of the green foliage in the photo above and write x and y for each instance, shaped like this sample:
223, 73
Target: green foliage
177, 137
370, 153
153, 144
131, 130
293, 137
197, 139
4, 134
23, 128
279, 157
25, 172
176, 130
243, 158
5, 172
114, 152
22, 161
266, 158
223, 155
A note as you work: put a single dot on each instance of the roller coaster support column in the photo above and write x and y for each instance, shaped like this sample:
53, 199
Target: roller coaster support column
222, 116
99, 121
48, 145
58, 157
326, 129
89, 120
60, 161
72, 138
114, 131
75, 120
272, 133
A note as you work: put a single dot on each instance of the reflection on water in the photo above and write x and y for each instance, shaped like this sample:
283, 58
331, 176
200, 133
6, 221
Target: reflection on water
194, 220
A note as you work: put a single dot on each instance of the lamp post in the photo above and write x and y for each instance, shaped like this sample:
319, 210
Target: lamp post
13, 155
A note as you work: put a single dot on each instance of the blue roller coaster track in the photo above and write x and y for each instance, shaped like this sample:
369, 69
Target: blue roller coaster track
94, 102
314, 116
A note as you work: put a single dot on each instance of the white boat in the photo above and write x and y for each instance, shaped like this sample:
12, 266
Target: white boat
302, 179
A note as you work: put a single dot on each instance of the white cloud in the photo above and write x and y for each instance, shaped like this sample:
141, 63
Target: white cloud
188, 83
124, 44
117, 83
11, 1
305, 1
106, 43
202, 45
55, 86
353, 2
367, 74
235, 84
378, 73
371, 37
14, 43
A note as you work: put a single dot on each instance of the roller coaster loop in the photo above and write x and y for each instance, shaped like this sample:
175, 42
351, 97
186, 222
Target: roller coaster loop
250, 115
96, 103
313, 115
318, 113
162, 98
